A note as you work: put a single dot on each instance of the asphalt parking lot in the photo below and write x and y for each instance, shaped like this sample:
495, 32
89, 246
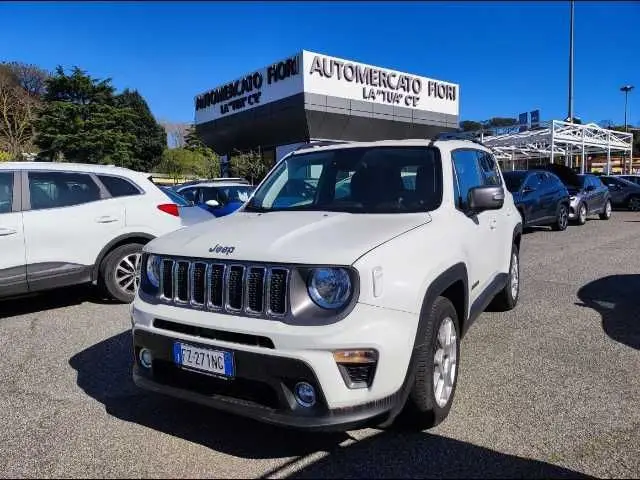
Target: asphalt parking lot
550, 389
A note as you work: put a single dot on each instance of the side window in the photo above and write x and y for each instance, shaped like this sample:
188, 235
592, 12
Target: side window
6, 192
118, 187
533, 181
489, 169
468, 174
189, 194
61, 189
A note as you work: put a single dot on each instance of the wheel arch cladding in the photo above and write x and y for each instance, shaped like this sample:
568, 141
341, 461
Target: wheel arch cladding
136, 237
517, 235
453, 284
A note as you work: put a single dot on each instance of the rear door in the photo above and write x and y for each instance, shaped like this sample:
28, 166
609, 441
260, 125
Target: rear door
531, 199
66, 225
13, 273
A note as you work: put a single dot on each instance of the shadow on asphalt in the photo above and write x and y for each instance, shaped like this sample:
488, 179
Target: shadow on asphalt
616, 299
104, 373
50, 300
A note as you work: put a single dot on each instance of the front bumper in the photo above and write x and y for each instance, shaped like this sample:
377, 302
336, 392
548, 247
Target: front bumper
271, 357
262, 388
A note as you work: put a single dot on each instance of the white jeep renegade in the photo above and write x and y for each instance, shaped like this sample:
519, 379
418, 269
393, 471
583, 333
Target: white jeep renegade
337, 295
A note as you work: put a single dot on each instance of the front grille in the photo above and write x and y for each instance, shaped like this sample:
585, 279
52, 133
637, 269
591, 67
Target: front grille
224, 287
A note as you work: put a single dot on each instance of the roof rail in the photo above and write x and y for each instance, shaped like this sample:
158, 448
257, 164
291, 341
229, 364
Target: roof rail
459, 135
319, 143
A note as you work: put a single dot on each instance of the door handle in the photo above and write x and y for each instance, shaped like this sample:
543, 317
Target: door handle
7, 231
106, 219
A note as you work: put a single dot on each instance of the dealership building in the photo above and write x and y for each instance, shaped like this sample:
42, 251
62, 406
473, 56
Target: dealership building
310, 97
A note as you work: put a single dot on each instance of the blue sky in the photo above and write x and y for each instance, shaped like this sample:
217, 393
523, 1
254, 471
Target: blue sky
507, 57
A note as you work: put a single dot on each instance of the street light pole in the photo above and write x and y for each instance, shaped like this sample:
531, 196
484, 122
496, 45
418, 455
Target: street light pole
626, 89
571, 66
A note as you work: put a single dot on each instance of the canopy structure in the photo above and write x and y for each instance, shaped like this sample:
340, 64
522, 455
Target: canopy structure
559, 139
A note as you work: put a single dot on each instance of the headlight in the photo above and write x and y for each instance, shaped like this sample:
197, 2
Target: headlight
329, 287
153, 270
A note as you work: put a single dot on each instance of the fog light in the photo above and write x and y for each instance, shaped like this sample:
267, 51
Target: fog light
146, 358
305, 394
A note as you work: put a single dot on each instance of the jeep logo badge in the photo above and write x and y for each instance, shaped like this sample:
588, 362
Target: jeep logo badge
222, 250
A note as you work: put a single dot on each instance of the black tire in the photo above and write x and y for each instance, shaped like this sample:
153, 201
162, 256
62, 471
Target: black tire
505, 299
562, 218
108, 272
633, 203
606, 212
422, 410
582, 214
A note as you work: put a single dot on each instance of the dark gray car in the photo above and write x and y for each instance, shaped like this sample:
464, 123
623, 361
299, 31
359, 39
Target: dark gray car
624, 193
587, 194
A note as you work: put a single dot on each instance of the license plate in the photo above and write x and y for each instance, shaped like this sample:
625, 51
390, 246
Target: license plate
202, 359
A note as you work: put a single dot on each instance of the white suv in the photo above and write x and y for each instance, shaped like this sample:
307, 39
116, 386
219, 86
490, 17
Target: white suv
63, 224
340, 308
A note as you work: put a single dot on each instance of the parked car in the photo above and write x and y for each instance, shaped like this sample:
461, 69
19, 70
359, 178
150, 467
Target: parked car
540, 197
64, 224
624, 193
220, 197
339, 308
189, 213
631, 178
588, 195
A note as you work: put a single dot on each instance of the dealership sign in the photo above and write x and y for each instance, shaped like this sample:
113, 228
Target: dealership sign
329, 76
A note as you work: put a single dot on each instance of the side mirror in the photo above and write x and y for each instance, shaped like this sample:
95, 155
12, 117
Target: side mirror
485, 198
590, 188
212, 203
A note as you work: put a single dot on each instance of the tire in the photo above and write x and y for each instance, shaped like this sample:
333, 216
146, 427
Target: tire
633, 204
582, 214
114, 269
507, 298
606, 213
423, 409
562, 218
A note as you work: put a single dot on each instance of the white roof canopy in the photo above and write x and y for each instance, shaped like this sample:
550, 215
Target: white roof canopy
559, 138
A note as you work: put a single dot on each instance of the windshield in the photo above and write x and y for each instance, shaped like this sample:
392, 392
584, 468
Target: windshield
514, 180
174, 197
226, 194
356, 180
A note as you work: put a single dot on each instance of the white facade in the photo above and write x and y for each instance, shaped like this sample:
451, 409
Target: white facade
319, 74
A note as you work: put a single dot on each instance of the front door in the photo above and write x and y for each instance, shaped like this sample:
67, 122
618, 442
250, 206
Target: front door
66, 225
13, 276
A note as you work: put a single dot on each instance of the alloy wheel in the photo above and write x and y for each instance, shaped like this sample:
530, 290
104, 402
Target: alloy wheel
445, 362
128, 273
514, 276
607, 209
583, 213
564, 218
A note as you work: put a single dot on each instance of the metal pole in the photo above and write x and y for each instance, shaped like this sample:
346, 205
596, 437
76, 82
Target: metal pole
571, 67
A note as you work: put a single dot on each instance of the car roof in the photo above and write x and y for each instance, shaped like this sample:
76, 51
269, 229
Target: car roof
73, 167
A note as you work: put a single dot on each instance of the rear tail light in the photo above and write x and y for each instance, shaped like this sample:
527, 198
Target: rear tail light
170, 208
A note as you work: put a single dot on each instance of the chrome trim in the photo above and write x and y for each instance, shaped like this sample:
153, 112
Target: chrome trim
209, 283
286, 292
226, 286
161, 284
192, 277
248, 309
176, 266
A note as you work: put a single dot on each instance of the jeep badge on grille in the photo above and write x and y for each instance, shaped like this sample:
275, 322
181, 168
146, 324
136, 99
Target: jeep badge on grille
221, 249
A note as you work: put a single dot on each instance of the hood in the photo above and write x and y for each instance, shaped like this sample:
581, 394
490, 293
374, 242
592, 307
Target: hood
287, 237
566, 174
